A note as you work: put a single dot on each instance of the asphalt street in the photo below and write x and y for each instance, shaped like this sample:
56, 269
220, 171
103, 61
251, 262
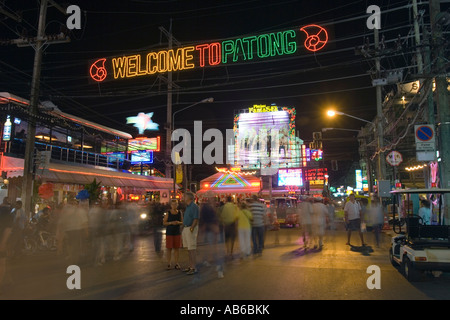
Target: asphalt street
284, 271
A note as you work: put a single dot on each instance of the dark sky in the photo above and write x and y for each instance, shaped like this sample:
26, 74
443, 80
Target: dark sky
334, 76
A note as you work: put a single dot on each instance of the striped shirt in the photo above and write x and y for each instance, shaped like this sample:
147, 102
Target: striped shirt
258, 211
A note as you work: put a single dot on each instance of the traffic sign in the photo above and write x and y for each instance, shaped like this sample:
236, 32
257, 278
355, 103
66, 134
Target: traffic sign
425, 137
394, 158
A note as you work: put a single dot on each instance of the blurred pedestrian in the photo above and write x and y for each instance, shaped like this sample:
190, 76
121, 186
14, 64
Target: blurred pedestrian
157, 215
190, 232
258, 224
376, 219
319, 220
331, 213
209, 231
6, 225
229, 217
97, 225
352, 216
245, 230
20, 222
306, 212
173, 220
72, 227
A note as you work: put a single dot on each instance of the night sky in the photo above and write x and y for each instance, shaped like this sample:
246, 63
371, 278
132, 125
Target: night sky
310, 82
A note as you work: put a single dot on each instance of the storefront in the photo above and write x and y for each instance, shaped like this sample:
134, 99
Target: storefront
227, 183
67, 180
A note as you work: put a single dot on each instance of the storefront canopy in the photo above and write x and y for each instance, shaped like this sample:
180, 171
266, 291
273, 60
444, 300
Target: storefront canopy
224, 184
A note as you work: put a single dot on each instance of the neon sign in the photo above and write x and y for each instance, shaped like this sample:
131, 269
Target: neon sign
317, 37
208, 54
143, 121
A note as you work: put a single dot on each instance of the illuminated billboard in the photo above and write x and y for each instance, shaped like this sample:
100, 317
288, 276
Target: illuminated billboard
265, 135
142, 157
143, 143
290, 177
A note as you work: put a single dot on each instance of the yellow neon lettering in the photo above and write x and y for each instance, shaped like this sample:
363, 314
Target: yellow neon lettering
162, 61
119, 67
131, 66
175, 60
188, 57
152, 67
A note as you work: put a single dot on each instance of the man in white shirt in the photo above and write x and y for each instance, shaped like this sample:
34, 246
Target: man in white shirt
352, 211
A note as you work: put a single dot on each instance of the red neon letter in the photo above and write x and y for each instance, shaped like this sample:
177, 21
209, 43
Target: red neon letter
215, 54
201, 48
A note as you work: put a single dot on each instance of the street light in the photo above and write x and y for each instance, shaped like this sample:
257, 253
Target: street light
332, 113
207, 100
341, 129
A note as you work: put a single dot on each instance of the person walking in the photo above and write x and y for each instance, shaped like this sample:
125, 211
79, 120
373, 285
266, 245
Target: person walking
6, 225
20, 222
209, 229
306, 212
245, 230
190, 232
352, 216
319, 218
258, 225
229, 217
376, 218
173, 221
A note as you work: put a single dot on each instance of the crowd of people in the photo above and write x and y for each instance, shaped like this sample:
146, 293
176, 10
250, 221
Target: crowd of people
99, 232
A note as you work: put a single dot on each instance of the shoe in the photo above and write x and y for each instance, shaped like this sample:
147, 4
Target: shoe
186, 269
220, 274
191, 272
169, 267
177, 266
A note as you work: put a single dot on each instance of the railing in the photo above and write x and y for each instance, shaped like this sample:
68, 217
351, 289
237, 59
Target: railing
81, 156
69, 155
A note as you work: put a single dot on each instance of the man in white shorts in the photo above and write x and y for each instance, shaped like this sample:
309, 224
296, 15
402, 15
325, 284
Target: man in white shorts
190, 232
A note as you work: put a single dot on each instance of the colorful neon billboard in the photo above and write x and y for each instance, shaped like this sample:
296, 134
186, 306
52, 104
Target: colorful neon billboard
243, 49
143, 143
290, 177
263, 136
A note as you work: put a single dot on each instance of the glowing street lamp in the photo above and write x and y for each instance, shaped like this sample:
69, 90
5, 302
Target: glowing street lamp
332, 113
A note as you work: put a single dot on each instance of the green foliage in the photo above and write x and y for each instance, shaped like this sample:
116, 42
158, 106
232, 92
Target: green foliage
94, 190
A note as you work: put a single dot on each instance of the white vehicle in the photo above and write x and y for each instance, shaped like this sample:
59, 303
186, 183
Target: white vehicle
419, 247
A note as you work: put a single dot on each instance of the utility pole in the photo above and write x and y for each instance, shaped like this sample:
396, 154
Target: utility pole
40, 41
438, 20
169, 126
381, 165
27, 185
